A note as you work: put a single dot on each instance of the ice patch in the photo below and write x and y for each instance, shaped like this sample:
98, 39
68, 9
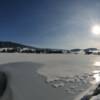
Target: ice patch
72, 85
77, 84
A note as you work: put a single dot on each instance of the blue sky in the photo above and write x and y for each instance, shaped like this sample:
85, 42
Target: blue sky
50, 23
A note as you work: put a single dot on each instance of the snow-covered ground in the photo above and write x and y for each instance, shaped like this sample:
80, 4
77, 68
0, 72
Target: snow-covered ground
49, 76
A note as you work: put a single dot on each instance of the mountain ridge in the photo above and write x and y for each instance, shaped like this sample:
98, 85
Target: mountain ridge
10, 44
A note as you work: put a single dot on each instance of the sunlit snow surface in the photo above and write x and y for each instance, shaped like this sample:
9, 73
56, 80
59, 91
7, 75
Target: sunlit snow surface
77, 75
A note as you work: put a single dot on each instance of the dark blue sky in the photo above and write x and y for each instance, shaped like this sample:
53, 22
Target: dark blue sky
50, 23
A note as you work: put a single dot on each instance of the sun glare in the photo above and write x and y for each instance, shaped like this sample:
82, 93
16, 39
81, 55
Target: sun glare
96, 76
96, 30
97, 64
96, 73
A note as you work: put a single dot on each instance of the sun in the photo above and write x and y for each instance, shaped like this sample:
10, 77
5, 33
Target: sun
96, 30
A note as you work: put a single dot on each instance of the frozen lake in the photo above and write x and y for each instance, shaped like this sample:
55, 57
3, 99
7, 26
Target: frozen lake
49, 77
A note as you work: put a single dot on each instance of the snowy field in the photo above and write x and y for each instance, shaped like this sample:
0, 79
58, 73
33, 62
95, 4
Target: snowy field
49, 76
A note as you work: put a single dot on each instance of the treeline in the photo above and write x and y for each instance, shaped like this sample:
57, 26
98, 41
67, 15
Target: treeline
50, 51
30, 50
12, 47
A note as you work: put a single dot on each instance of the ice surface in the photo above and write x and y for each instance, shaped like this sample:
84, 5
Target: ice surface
70, 74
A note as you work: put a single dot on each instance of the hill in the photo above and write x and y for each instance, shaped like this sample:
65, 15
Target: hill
8, 44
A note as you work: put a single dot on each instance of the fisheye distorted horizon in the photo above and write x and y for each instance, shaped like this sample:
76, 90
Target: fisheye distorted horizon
51, 23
